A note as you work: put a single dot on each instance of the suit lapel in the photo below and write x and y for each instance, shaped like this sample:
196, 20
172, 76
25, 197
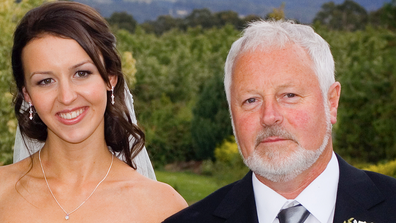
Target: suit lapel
239, 204
356, 194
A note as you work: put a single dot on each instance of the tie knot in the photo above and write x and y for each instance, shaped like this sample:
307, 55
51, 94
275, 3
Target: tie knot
295, 214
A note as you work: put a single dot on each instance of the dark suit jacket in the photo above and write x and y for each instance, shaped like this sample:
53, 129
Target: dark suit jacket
365, 196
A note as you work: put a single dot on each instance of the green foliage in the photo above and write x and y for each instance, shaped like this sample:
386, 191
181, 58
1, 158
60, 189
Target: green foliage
388, 168
129, 68
202, 18
227, 151
225, 172
211, 122
10, 13
163, 24
277, 13
172, 70
366, 128
228, 166
346, 16
388, 15
122, 20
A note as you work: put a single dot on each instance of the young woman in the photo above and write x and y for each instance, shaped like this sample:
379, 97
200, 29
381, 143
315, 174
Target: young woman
70, 95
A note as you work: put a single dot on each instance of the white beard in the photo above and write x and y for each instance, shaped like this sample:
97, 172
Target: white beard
277, 166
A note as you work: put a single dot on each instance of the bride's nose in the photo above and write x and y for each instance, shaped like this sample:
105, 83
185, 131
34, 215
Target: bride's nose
66, 92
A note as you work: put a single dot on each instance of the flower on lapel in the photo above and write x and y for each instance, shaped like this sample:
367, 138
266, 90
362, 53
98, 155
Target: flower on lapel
353, 220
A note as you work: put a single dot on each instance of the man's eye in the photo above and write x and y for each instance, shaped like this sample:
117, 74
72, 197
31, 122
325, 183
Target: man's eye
45, 81
250, 100
290, 95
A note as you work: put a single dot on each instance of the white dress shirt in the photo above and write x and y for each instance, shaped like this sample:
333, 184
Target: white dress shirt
318, 198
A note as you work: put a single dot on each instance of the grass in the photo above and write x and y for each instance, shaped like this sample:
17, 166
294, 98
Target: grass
191, 186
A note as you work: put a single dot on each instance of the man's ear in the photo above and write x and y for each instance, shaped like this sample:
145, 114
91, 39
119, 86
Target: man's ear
26, 95
113, 80
333, 97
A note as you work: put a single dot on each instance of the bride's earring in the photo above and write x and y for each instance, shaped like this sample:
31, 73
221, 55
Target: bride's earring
30, 111
112, 95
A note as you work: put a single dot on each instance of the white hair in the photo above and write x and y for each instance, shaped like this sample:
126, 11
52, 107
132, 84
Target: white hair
263, 35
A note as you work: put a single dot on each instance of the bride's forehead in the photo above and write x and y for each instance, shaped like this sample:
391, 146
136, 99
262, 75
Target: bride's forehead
58, 50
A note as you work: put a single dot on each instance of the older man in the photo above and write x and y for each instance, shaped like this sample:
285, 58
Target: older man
283, 98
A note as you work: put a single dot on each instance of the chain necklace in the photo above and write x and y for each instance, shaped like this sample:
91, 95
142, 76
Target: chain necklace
69, 213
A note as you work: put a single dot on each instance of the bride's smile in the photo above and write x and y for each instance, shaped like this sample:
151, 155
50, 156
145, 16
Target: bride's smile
72, 114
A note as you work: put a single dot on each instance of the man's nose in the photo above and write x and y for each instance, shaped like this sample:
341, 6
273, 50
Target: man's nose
270, 113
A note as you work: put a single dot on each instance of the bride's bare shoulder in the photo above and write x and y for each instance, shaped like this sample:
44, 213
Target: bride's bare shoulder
152, 196
15, 169
162, 191
10, 174
148, 188
160, 197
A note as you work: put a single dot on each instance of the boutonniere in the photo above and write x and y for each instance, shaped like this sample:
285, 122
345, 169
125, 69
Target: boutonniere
353, 220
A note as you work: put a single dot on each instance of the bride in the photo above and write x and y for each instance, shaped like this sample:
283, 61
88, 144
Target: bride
71, 97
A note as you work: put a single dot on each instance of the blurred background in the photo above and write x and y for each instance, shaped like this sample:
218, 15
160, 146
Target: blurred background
173, 54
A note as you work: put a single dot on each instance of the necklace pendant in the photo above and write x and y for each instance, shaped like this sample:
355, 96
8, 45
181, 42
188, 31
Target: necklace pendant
67, 217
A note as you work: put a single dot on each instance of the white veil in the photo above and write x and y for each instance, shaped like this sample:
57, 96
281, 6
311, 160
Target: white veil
142, 160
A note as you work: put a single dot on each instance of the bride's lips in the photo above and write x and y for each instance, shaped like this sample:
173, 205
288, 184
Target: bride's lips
73, 116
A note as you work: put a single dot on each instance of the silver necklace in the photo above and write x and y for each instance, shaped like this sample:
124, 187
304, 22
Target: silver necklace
69, 213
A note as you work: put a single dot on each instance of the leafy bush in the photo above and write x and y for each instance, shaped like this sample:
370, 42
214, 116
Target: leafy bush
366, 127
227, 151
172, 71
388, 168
229, 166
211, 122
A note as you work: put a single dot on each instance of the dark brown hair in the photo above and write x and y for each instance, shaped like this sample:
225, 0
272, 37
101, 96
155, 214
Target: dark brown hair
84, 25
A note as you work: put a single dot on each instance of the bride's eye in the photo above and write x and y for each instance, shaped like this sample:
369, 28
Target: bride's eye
82, 73
45, 81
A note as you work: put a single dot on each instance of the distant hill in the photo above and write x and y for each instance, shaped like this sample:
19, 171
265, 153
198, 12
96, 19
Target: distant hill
142, 10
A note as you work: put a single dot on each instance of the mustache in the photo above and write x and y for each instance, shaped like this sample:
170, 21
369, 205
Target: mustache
271, 131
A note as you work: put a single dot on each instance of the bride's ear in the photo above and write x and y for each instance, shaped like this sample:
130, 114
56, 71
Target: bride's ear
113, 79
26, 95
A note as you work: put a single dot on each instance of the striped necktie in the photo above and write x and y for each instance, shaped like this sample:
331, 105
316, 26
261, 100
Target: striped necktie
295, 214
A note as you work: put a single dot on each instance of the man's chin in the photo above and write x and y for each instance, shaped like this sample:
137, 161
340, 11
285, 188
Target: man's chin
280, 167
271, 174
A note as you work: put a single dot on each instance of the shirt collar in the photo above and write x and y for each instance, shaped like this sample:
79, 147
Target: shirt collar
321, 205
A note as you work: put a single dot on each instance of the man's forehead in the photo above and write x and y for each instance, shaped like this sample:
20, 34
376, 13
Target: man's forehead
288, 53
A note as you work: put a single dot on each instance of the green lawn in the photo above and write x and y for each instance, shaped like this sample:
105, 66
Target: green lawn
191, 186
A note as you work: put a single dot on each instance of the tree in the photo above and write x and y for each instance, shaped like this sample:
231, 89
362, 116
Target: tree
277, 13
348, 16
163, 24
122, 20
229, 17
385, 16
172, 70
201, 17
211, 121
251, 18
366, 127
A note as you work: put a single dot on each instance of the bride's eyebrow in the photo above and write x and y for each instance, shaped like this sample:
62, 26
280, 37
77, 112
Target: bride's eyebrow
39, 72
82, 63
